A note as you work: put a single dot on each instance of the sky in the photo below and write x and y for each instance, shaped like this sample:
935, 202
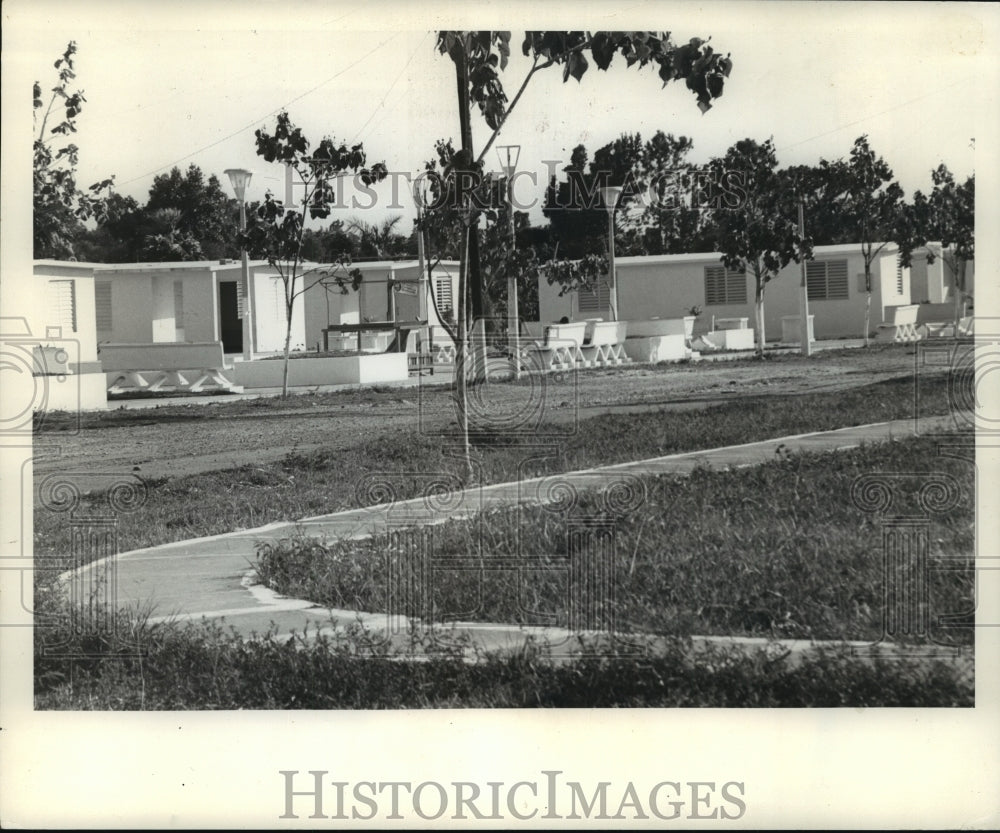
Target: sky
176, 84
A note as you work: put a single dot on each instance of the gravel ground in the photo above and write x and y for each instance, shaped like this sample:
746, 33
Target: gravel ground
206, 436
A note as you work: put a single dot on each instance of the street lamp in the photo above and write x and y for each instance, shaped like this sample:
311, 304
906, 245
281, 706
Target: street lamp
240, 178
508, 164
805, 346
610, 195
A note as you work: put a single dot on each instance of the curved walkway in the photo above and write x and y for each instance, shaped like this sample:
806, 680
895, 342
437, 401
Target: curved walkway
212, 577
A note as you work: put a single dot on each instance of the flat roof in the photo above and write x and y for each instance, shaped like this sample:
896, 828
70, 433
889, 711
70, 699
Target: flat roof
694, 257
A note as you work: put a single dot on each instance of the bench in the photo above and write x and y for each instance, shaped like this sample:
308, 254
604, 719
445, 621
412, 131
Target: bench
559, 348
900, 324
604, 344
189, 367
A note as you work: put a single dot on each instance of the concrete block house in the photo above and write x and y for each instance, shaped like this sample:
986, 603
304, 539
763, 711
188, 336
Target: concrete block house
668, 286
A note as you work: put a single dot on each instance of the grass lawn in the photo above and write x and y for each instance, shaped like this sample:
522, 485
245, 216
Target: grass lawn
303, 485
143, 666
776, 550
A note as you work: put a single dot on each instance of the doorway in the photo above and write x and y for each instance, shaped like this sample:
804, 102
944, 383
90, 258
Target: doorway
230, 325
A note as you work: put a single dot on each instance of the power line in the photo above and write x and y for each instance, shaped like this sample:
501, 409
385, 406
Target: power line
261, 118
391, 86
869, 118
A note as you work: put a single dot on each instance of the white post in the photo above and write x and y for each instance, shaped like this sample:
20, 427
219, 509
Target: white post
804, 343
610, 194
240, 178
248, 305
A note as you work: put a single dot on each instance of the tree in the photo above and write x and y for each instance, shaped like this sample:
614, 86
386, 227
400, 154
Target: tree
871, 205
577, 218
951, 211
277, 231
326, 245
205, 213
167, 239
59, 205
756, 232
377, 239
479, 57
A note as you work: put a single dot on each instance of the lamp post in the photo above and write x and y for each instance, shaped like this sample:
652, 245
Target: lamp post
610, 194
508, 164
240, 178
804, 343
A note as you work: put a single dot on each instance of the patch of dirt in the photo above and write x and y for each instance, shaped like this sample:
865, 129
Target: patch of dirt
205, 437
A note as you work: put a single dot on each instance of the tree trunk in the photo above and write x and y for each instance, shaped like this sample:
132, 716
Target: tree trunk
461, 359
473, 272
868, 313
759, 314
288, 344
958, 270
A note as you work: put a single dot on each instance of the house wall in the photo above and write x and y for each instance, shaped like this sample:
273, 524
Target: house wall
669, 287
200, 307
131, 302
270, 322
162, 309
83, 387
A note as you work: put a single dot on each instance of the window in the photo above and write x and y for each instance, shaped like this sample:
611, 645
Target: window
596, 299
62, 304
102, 303
724, 286
827, 280
178, 305
442, 295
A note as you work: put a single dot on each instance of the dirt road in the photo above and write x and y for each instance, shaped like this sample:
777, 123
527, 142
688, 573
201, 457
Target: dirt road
201, 437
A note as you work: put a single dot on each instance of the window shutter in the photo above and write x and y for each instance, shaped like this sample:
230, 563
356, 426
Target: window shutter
816, 280
715, 285
102, 304
827, 280
836, 280
62, 304
724, 286
899, 277
736, 287
442, 294
594, 300
240, 299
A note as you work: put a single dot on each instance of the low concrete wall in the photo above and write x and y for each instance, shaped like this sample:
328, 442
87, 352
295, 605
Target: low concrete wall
661, 327
653, 349
161, 356
741, 339
346, 370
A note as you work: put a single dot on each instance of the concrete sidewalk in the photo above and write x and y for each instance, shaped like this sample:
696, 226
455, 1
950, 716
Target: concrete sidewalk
212, 577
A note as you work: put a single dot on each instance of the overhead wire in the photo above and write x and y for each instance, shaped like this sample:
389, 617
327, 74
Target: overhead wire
261, 118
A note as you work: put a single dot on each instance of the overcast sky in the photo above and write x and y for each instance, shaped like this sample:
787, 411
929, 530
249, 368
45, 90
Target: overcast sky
174, 84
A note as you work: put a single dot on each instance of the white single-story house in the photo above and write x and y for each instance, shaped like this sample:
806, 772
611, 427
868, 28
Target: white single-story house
60, 329
669, 286
191, 302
